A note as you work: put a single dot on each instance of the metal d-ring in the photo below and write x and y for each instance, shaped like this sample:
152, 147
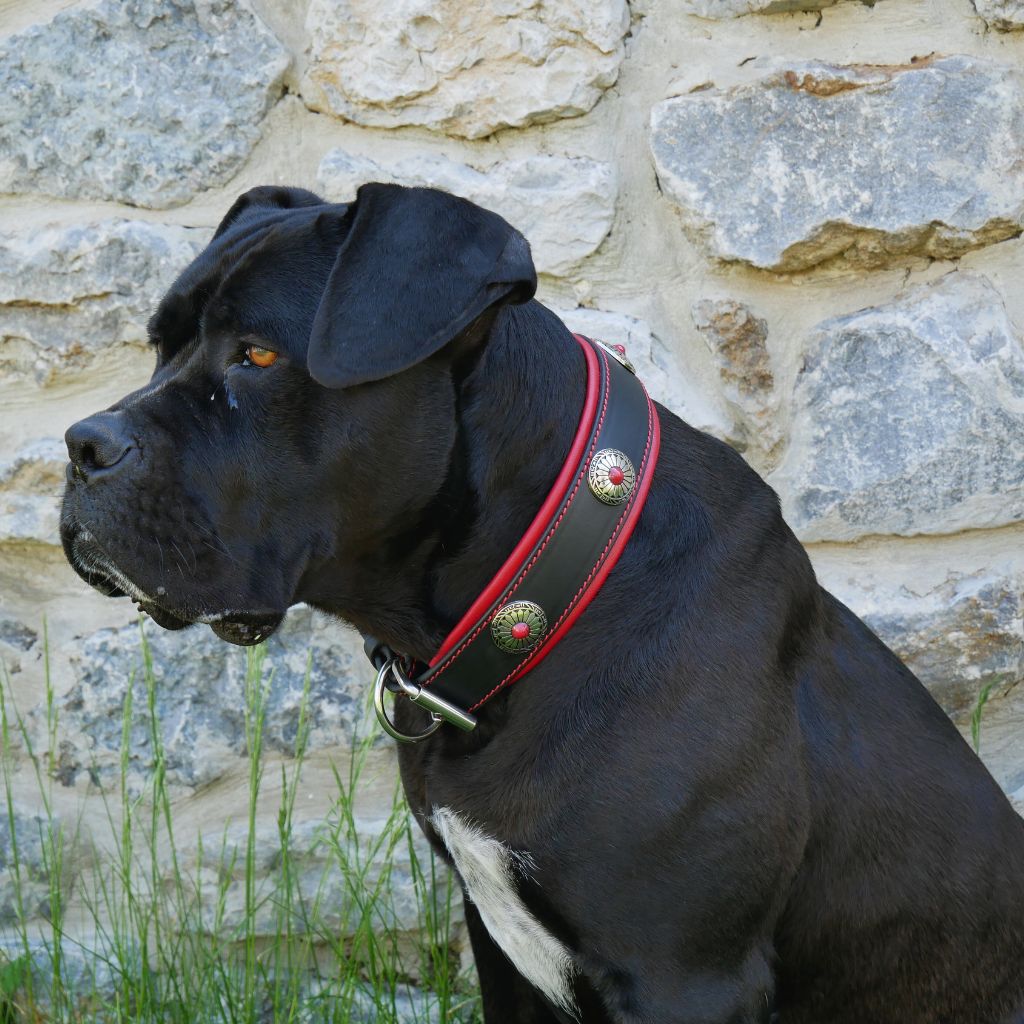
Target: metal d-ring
440, 709
410, 689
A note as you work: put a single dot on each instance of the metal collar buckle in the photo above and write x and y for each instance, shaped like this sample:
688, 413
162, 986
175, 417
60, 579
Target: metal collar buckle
441, 711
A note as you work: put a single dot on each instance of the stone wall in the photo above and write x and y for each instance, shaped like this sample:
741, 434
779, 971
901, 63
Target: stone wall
803, 218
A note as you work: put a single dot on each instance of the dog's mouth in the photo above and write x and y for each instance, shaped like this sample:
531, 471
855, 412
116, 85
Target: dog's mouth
242, 628
162, 617
245, 628
87, 558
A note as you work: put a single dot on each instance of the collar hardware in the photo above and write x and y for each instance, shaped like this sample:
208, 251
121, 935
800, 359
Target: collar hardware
611, 476
557, 567
617, 352
518, 626
441, 711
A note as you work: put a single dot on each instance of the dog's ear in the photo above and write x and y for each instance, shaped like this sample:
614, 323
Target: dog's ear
274, 197
415, 268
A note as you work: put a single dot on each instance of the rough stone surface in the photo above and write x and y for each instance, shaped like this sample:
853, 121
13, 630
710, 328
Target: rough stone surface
657, 364
328, 857
199, 688
410, 1005
430, 62
89, 973
146, 101
1004, 15
24, 865
30, 487
68, 293
856, 165
17, 635
563, 206
909, 418
716, 9
737, 340
94, 977
959, 637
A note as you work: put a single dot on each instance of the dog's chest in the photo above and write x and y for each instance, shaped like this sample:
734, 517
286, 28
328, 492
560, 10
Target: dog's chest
489, 869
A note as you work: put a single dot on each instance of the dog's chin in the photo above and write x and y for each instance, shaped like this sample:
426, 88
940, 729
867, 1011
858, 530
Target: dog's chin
242, 628
246, 630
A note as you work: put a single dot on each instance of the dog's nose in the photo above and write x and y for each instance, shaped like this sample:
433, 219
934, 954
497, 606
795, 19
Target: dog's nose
98, 444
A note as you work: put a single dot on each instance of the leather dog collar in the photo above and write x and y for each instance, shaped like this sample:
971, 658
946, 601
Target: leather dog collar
557, 567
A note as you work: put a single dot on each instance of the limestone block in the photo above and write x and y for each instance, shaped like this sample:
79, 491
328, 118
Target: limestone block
463, 70
957, 637
716, 9
860, 164
88, 966
564, 206
137, 101
318, 867
199, 686
658, 364
25, 864
909, 418
92, 969
1004, 15
30, 486
17, 635
737, 342
70, 293
17, 640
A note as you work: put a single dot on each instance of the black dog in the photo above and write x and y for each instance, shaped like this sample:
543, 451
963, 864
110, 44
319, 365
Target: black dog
719, 798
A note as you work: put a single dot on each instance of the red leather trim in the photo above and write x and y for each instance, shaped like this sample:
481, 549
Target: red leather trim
514, 563
588, 591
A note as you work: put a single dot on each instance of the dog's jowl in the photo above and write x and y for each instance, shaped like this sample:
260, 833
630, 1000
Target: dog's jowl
681, 783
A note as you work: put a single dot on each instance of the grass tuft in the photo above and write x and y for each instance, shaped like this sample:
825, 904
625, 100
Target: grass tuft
976, 714
305, 922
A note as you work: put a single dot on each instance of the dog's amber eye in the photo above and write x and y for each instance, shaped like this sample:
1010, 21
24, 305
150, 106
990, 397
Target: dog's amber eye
260, 356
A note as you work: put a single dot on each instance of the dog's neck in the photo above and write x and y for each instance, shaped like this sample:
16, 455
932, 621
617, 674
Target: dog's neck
518, 398
519, 409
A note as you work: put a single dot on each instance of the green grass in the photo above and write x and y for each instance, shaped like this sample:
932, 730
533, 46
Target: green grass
976, 713
319, 936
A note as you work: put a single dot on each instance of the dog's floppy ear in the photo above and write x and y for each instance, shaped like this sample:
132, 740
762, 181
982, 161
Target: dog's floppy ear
276, 197
415, 268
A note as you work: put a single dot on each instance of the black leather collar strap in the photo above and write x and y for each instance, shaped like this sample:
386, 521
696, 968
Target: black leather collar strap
563, 558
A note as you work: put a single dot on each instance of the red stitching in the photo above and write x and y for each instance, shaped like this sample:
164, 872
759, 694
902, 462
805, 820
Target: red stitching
597, 565
484, 602
565, 508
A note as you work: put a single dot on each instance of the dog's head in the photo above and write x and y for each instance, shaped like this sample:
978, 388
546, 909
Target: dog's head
301, 409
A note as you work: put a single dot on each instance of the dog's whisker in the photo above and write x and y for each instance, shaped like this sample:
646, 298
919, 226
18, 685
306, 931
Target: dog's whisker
181, 558
160, 548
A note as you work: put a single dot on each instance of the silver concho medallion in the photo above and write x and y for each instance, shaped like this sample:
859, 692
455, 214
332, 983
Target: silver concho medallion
518, 625
611, 476
617, 352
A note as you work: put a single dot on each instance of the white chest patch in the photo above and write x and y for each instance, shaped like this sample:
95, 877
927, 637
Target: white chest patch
488, 868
